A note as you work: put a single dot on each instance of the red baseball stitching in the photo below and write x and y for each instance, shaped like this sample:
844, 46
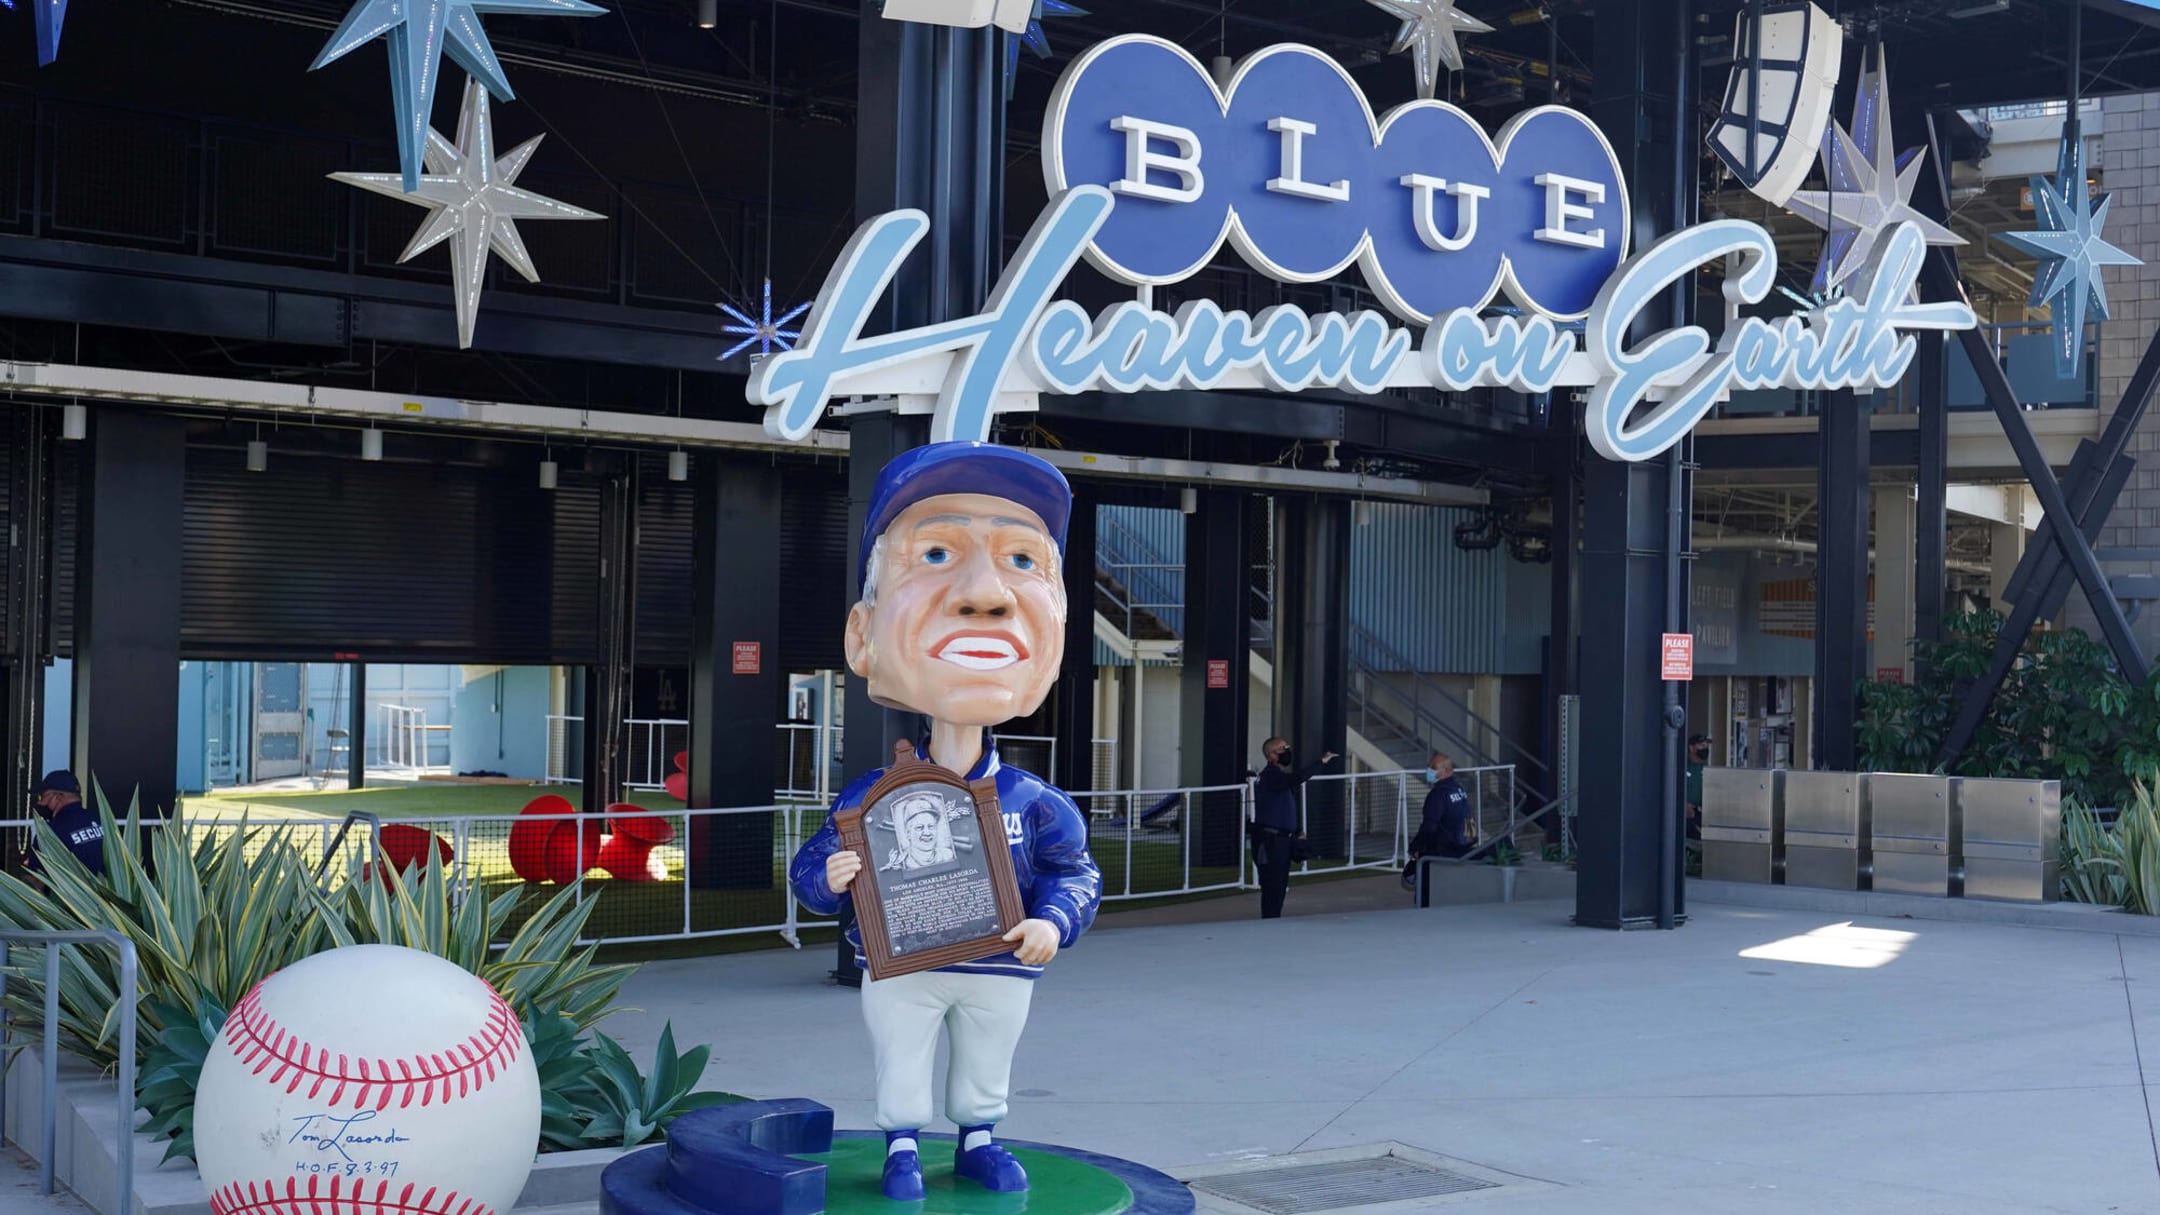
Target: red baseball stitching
262, 1043
264, 1197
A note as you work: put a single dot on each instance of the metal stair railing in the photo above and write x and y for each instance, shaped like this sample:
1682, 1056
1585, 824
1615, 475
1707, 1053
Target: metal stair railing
49, 1049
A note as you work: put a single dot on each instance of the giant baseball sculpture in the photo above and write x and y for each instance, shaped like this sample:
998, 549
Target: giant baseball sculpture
372, 1078
962, 619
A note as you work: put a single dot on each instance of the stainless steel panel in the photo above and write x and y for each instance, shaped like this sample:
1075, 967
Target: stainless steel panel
1908, 814
2010, 830
1735, 861
1742, 812
1743, 798
1912, 873
2021, 881
1825, 868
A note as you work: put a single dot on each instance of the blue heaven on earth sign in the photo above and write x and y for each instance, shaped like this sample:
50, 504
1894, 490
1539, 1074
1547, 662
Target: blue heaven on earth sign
1152, 168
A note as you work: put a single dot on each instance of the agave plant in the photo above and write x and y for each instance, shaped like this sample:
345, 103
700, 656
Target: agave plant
221, 915
2117, 867
618, 1106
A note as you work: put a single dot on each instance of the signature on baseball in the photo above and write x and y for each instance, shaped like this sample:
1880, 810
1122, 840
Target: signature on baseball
330, 1133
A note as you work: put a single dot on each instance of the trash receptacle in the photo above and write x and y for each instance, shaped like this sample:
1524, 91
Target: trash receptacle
1740, 819
2011, 829
1826, 830
1911, 832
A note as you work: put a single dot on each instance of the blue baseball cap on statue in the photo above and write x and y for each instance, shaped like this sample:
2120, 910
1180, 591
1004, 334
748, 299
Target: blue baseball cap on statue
966, 468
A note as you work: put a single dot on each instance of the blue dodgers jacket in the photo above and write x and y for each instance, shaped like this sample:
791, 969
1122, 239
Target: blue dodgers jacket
1058, 880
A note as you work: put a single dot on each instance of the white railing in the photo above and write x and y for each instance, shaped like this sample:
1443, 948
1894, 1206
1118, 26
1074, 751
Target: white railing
808, 754
407, 739
654, 744
562, 731
725, 871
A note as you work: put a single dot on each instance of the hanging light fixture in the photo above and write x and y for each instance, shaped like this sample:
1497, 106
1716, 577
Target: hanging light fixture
371, 444
708, 14
548, 470
74, 421
258, 455
678, 465
1188, 500
1363, 511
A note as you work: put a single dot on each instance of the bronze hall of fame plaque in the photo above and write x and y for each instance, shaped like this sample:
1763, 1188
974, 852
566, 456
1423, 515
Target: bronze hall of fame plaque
937, 886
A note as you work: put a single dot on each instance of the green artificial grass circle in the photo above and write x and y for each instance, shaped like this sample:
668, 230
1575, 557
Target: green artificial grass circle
1058, 1185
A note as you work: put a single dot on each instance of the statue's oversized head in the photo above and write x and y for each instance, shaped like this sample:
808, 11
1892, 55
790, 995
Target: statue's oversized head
962, 616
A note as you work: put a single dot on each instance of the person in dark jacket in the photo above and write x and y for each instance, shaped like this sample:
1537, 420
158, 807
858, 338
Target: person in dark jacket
59, 799
1277, 824
1444, 827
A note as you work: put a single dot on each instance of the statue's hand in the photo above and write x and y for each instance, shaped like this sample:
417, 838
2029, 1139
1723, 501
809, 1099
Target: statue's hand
1038, 941
840, 870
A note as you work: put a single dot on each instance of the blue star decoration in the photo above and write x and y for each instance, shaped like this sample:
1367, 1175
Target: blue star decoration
1034, 39
762, 331
51, 15
2071, 252
417, 33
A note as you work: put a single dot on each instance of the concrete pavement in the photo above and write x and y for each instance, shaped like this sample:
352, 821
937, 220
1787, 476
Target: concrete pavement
1757, 1060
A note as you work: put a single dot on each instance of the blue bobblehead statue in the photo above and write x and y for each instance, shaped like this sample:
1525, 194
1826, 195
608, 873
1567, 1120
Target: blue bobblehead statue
962, 619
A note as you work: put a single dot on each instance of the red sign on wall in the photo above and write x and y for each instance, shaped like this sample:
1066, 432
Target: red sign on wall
1218, 673
1678, 657
749, 657
1890, 674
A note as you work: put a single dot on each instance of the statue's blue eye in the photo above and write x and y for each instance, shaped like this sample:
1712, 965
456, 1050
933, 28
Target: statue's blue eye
1022, 561
937, 556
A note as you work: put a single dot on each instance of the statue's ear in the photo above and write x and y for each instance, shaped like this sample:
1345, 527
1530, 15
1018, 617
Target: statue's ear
857, 641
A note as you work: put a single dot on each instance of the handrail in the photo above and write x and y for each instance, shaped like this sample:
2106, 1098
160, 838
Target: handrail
1359, 634
374, 822
54, 942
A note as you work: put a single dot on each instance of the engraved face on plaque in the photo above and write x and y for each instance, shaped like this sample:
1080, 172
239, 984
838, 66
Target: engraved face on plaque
937, 886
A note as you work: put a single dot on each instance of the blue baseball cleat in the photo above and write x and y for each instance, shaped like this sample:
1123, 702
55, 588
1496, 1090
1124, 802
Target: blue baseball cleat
991, 1167
903, 1177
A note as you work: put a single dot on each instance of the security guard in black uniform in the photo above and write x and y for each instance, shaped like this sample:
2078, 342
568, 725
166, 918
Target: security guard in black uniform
1278, 832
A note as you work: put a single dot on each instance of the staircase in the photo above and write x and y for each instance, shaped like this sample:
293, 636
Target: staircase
1397, 726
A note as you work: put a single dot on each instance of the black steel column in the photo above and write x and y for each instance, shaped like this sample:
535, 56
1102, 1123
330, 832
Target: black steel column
356, 728
1625, 876
1561, 652
127, 607
869, 728
1218, 576
607, 701
26, 606
1312, 648
1841, 581
1931, 395
1074, 696
736, 684
930, 134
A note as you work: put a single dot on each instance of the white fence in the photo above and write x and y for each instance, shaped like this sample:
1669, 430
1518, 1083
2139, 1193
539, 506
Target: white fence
724, 872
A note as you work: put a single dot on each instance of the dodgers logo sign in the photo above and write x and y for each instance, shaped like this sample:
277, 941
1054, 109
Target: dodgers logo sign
1154, 170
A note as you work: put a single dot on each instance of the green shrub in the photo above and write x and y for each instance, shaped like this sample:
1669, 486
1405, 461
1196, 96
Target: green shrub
2064, 713
226, 912
2118, 867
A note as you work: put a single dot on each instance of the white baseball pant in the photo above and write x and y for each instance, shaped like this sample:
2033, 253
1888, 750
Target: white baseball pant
983, 1016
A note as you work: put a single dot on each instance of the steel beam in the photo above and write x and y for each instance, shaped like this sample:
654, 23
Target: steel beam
1841, 581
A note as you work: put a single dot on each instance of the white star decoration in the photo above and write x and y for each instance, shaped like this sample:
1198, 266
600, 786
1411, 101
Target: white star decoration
1870, 192
1429, 29
417, 33
473, 202
2071, 252
762, 331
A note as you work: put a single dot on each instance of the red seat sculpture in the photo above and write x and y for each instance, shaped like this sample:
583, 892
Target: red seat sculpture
547, 846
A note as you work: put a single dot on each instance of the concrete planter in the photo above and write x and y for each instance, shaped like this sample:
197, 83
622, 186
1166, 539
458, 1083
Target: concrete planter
87, 1149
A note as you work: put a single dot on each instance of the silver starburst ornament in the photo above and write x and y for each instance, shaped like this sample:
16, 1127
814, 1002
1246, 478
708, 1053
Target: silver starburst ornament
2071, 252
1428, 32
473, 202
417, 33
1870, 187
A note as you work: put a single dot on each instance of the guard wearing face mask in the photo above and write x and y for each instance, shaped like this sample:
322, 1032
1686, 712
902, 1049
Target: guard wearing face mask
1444, 829
1278, 835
